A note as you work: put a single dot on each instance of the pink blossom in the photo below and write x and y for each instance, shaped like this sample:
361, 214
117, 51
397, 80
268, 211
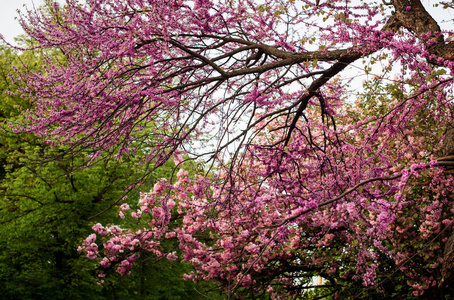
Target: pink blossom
124, 207
137, 214
297, 163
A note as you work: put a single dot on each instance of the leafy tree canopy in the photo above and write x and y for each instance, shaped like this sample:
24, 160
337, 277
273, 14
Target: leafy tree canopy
46, 207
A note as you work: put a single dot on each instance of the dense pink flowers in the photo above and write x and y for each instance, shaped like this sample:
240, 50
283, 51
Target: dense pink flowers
305, 171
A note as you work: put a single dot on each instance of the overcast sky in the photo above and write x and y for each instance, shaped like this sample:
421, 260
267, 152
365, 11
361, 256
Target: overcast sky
9, 27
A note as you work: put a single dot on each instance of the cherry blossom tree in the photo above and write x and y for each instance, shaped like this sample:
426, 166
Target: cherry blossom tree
309, 171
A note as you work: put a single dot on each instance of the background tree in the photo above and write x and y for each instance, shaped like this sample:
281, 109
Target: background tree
47, 207
300, 181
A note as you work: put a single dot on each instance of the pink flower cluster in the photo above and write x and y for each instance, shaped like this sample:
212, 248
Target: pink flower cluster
308, 170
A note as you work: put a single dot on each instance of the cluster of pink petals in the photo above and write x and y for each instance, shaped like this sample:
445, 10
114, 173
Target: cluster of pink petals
353, 178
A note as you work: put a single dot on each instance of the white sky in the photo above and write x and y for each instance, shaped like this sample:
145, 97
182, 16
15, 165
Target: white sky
9, 27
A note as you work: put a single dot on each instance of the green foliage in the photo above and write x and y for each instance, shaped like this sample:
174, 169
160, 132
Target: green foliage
47, 207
